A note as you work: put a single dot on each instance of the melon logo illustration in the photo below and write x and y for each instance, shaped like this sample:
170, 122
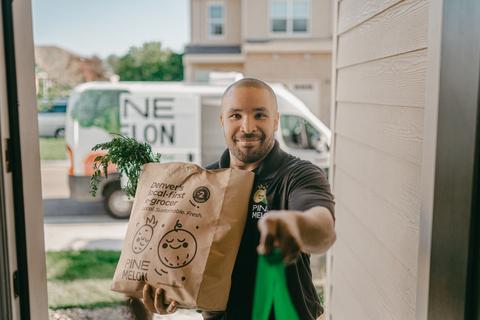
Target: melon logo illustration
177, 247
261, 194
144, 235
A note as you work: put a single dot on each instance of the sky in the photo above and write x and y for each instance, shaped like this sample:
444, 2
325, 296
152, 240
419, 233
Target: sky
104, 27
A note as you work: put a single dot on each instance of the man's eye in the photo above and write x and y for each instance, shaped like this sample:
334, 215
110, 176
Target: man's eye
236, 116
261, 115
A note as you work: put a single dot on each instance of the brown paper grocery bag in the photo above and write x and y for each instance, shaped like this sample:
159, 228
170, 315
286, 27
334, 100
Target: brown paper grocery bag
184, 233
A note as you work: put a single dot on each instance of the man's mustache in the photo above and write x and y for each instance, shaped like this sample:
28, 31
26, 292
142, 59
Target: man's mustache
260, 136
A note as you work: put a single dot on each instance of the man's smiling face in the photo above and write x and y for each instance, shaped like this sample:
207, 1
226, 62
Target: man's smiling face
249, 121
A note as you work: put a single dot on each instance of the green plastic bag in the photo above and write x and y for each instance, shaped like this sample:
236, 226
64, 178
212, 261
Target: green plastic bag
271, 287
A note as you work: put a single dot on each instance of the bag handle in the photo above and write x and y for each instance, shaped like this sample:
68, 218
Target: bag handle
271, 288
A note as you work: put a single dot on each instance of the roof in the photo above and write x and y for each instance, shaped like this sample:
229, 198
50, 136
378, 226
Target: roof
213, 50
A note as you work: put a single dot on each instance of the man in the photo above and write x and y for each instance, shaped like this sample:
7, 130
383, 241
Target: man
296, 193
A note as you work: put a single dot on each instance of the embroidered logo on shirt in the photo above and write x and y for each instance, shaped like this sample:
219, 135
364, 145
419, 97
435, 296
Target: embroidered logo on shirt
261, 194
260, 198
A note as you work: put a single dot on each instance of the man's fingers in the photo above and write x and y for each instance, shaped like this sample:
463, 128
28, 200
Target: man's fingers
288, 245
276, 233
162, 308
138, 308
172, 307
147, 298
289, 256
267, 230
155, 304
159, 306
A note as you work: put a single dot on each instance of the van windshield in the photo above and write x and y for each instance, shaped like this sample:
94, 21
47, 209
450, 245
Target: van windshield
98, 108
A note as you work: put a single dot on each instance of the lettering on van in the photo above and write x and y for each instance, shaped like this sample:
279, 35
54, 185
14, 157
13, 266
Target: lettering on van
158, 107
149, 119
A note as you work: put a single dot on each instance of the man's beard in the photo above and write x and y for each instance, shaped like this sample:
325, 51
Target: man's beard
251, 156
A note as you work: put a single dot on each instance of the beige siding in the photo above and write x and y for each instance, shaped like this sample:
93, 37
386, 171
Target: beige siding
238, 67
398, 81
394, 130
380, 75
322, 18
288, 68
199, 23
405, 24
258, 20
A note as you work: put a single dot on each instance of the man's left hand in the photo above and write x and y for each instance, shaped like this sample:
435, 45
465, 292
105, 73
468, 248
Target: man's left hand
293, 232
279, 230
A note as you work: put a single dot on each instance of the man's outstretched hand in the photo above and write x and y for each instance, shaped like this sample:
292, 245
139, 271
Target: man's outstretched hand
293, 232
279, 230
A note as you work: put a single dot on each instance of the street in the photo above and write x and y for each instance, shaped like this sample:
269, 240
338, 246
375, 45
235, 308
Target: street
70, 224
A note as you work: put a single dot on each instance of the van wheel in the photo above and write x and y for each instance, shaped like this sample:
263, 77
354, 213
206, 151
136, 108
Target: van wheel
60, 133
115, 202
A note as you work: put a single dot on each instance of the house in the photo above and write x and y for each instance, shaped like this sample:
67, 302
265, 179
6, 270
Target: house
288, 41
405, 160
67, 69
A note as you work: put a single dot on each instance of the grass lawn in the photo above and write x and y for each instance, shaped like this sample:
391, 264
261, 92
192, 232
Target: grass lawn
53, 149
82, 279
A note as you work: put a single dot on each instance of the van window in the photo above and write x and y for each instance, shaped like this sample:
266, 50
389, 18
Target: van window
100, 108
298, 133
59, 108
291, 131
313, 135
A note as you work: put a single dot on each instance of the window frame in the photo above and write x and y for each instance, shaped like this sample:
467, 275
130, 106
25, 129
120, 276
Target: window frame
209, 21
290, 17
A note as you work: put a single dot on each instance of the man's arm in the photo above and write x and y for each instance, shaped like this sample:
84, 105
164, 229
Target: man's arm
311, 231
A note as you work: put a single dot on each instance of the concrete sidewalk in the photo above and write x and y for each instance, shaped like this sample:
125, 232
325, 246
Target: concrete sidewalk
84, 232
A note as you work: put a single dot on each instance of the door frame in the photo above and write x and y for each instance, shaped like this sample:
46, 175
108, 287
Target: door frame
447, 261
24, 200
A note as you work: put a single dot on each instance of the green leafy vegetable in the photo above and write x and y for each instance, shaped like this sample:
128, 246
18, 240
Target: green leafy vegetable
128, 155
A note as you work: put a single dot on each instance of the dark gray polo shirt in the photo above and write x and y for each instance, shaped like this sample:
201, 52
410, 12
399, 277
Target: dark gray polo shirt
282, 182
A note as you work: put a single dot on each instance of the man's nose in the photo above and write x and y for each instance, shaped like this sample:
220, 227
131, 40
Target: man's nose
248, 125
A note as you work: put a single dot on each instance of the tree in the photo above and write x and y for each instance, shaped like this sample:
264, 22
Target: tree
148, 63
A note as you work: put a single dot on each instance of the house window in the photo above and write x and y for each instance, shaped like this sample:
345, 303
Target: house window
289, 17
216, 19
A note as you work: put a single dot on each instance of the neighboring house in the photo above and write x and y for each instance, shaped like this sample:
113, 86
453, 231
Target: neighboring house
288, 41
67, 69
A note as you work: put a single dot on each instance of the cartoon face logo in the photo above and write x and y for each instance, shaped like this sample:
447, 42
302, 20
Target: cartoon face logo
261, 194
177, 247
144, 235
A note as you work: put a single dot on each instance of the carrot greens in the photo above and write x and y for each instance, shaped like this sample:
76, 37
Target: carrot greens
128, 155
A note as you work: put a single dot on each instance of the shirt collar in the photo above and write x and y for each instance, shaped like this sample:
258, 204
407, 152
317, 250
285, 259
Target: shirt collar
269, 165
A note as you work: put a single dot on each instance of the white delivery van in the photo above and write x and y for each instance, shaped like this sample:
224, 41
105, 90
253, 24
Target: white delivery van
179, 120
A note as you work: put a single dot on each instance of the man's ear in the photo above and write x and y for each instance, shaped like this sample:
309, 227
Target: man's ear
221, 120
277, 117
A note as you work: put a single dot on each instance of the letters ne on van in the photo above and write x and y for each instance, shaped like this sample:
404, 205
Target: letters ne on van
148, 119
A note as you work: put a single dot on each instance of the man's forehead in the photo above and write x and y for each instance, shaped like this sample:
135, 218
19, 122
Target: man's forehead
242, 97
233, 108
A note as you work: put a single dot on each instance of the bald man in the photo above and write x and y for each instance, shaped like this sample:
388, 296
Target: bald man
291, 206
